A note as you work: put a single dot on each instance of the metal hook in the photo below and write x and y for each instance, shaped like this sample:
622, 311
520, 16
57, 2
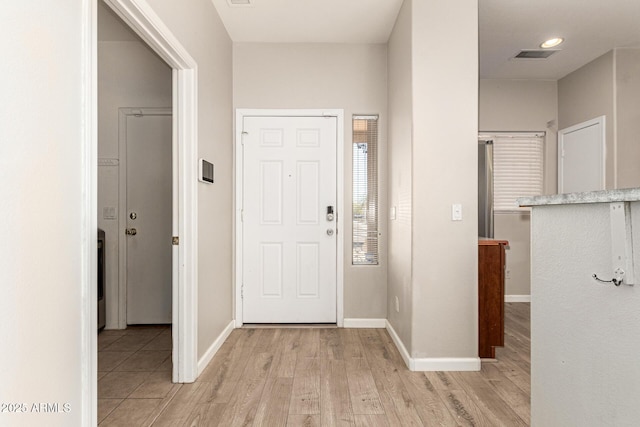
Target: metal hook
614, 280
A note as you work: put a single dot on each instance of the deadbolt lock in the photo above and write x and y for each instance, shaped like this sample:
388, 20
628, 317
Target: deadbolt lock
330, 214
130, 231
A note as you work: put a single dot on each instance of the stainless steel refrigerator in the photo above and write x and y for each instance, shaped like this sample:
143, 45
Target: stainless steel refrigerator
485, 188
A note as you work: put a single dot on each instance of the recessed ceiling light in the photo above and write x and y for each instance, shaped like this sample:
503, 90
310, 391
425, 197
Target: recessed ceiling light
552, 43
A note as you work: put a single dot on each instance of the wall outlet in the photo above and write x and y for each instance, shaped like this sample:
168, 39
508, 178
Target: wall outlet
397, 305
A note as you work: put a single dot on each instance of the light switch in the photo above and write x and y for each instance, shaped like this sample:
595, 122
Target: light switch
392, 213
109, 212
456, 212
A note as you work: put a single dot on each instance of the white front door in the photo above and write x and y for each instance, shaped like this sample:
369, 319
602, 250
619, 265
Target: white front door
289, 240
149, 213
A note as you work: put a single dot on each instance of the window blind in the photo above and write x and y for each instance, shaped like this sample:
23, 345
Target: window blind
517, 169
365, 191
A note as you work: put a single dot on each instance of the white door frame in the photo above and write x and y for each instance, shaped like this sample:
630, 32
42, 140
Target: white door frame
146, 23
123, 114
603, 145
340, 218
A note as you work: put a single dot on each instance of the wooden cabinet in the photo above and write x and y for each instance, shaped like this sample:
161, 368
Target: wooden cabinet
491, 261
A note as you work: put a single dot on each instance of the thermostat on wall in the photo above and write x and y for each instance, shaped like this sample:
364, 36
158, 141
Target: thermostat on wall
206, 171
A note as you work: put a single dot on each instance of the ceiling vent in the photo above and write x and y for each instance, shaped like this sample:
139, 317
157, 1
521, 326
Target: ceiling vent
535, 54
237, 3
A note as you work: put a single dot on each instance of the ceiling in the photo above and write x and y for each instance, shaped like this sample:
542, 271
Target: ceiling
310, 21
590, 28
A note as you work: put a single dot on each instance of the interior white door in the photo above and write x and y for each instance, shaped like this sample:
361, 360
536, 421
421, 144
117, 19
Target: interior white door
149, 213
289, 240
581, 157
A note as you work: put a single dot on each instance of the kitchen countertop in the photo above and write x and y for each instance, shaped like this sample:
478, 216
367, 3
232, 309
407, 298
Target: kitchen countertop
604, 196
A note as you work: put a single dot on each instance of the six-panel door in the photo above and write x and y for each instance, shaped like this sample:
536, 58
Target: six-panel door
289, 241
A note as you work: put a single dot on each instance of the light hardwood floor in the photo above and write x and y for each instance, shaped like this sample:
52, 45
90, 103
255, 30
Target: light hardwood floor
312, 377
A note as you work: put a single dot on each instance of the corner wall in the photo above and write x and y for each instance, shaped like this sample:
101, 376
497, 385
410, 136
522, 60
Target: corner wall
627, 117
445, 132
400, 176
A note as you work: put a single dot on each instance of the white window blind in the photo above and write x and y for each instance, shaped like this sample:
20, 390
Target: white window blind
365, 190
517, 169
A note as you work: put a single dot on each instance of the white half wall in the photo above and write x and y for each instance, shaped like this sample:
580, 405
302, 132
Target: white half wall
584, 334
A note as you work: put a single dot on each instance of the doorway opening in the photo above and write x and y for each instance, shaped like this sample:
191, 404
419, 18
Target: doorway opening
138, 17
134, 195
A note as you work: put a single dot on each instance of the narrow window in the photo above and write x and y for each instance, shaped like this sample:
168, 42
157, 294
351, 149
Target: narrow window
365, 190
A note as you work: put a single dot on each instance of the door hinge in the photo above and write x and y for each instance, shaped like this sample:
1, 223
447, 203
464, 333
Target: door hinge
242, 136
241, 215
242, 291
175, 240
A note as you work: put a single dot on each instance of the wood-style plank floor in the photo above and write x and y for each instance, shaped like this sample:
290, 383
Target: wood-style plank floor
322, 377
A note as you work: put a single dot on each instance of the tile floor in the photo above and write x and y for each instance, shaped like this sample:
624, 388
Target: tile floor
134, 374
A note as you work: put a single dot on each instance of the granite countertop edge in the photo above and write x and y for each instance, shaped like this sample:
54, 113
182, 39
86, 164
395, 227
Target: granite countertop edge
604, 196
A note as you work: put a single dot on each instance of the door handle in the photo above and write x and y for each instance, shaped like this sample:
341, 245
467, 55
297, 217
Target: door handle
130, 231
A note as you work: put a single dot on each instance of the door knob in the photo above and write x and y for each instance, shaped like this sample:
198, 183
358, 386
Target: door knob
329, 231
130, 231
133, 215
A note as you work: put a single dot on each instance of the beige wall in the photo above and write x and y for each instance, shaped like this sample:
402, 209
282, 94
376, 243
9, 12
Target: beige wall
350, 77
628, 117
399, 160
518, 106
587, 93
609, 86
200, 30
129, 75
444, 167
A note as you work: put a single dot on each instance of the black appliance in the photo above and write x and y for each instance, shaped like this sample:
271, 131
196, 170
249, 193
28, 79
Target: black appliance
101, 280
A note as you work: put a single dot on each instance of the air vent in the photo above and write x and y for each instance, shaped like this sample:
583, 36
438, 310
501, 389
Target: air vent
235, 3
535, 54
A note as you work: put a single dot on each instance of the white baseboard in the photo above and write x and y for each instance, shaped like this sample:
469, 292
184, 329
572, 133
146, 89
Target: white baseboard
517, 298
446, 364
365, 323
433, 363
208, 355
399, 344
